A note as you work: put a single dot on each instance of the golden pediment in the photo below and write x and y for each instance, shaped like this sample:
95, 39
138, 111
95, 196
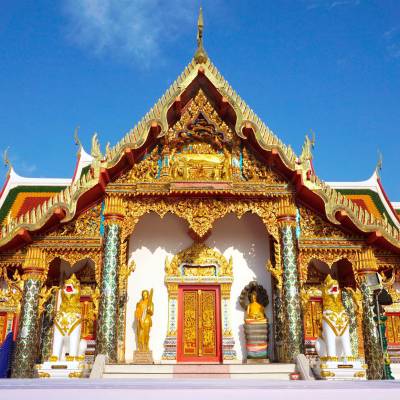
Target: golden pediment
201, 147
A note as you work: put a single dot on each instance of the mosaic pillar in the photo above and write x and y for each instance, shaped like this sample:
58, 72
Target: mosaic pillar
125, 270
278, 325
293, 324
350, 307
47, 329
372, 345
26, 349
107, 339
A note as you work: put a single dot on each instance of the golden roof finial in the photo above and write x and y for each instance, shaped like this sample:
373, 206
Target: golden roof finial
76, 137
77, 141
200, 55
378, 167
6, 160
308, 146
96, 152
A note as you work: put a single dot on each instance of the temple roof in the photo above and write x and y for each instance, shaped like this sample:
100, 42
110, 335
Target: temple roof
20, 194
339, 202
370, 195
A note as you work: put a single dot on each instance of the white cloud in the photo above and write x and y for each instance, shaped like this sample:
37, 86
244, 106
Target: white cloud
130, 29
330, 4
392, 38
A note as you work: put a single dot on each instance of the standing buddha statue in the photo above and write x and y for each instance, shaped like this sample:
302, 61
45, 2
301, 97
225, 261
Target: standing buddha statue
143, 314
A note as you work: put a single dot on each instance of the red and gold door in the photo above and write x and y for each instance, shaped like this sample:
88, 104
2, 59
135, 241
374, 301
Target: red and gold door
199, 324
313, 318
393, 328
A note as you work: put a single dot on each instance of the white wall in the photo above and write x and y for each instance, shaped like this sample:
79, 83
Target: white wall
245, 239
151, 242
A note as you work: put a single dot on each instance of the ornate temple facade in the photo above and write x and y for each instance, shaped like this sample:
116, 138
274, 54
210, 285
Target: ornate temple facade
195, 202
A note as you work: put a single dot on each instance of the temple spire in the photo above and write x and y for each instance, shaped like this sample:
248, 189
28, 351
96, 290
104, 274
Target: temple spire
200, 26
200, 56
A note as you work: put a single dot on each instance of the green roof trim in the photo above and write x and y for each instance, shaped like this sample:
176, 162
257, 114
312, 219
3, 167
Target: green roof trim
12, 195
375, 198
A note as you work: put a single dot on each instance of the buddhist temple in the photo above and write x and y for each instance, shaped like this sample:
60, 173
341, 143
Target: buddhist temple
199, 238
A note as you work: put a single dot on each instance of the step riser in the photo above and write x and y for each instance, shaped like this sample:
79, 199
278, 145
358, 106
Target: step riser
271, 376
201, 371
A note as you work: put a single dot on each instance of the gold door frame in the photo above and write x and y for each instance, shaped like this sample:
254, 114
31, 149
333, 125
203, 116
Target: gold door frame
198, 265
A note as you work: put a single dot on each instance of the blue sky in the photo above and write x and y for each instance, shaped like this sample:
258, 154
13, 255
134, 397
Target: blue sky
326, 65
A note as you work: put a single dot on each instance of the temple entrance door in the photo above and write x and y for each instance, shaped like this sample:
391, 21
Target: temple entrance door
199, 323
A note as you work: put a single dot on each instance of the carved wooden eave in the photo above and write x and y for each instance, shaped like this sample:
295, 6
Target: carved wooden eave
90, 188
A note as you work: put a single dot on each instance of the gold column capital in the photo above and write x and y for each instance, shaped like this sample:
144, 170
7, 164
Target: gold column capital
34, 265
114, 208
366, 262
286, 210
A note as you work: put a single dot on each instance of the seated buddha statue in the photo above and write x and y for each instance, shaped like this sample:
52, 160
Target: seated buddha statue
255, 311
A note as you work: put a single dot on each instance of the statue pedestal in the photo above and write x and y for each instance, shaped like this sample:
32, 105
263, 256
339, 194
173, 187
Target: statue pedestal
340, 370
63, 369
143, 357
256, 333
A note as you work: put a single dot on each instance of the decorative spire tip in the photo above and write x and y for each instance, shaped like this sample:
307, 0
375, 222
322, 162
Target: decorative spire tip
200, 55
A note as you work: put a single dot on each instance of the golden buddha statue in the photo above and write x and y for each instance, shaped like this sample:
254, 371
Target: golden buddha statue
255, 311
143, 313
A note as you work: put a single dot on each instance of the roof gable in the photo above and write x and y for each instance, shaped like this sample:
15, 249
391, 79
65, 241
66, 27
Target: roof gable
241, 121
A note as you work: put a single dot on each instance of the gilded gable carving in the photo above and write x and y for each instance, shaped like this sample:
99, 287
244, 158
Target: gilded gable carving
86, 225
313, 226
199, 147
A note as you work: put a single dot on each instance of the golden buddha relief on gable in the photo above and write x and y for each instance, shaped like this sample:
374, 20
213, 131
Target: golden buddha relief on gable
200, 147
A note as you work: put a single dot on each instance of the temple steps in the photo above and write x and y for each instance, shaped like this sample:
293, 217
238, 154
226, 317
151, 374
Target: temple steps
273, 371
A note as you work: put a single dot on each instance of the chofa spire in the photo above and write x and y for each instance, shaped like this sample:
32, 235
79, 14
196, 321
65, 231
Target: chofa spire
200, 56
379, 163
7, 161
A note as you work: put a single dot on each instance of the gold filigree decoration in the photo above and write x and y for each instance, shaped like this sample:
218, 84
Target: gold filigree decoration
387, 260
255, 170
200, 104
313, 226
201, 213
74, 255
143, 171
200, 257
11, 293
327, 255
276, 272
86, 225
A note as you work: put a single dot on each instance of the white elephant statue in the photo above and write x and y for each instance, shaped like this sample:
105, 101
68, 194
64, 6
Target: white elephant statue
334, 341
68, 324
